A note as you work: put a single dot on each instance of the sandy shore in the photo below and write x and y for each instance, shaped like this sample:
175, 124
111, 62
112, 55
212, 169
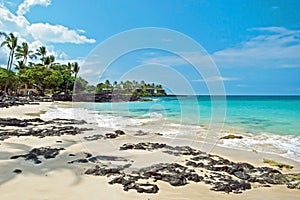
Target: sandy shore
25, 111
55, 179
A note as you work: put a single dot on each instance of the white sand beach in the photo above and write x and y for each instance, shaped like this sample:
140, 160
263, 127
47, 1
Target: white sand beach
56, 179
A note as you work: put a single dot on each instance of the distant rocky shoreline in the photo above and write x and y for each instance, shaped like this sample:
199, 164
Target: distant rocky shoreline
99, 97
22, 100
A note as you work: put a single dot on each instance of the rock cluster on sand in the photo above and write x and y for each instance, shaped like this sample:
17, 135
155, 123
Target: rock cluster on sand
114, 135
220, 173
35, 154
197, 166
56, 127
9, 101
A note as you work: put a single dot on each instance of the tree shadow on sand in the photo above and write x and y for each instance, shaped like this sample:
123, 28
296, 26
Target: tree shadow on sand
58, 163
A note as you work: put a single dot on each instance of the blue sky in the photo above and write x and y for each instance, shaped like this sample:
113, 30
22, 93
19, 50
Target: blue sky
254, 44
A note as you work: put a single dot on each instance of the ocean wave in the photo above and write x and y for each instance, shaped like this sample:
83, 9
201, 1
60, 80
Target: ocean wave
287, 146
70, 113
154, 115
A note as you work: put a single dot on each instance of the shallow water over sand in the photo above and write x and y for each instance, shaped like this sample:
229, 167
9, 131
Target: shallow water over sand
268, 124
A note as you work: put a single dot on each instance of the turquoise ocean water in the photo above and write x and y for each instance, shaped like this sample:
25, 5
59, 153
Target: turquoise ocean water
253, 114
267, 123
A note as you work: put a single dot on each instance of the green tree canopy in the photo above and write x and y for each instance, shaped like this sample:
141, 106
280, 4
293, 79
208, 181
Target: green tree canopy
3, 77
10, 42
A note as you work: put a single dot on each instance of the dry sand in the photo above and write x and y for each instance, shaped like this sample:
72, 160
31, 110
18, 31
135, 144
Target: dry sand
25, 111
55, 179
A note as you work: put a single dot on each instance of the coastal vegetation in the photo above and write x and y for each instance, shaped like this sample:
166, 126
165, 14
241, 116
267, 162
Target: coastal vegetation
131, 88
46, 76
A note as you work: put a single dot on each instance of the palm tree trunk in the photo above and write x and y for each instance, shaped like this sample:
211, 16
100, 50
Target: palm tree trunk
8, 71
9, 57
24, 61
11, 60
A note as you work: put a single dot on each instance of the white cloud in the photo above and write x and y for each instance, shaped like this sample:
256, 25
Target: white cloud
87, 71
45, 33
25, 6
57, 34
165, 60
38, 34
11, 22
173, 60
80, 31
3, 57
275, 47
216, 78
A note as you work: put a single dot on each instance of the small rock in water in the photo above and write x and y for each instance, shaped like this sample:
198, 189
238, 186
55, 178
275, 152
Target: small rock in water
232, 137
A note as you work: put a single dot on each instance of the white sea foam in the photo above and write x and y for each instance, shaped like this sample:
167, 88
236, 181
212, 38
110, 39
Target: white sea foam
287, 146
70, 113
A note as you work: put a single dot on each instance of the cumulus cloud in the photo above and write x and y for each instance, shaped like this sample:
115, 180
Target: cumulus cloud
38, 34
11, 22
45, 33
57, 34
25, 6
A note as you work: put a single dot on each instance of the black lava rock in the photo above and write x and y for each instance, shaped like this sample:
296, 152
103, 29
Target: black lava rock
34, 154
17, 171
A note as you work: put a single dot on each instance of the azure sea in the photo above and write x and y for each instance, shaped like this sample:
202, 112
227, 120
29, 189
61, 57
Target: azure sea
252, 114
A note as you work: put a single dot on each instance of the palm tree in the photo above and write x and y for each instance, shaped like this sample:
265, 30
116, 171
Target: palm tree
46, 61
49, 60
107, 83
30, 64
41, 51
19, 65
11, 42
76, 69
23, 52
52, 60
69, 66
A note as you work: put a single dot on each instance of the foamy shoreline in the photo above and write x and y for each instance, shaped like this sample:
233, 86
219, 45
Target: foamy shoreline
286, 146
57, 182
